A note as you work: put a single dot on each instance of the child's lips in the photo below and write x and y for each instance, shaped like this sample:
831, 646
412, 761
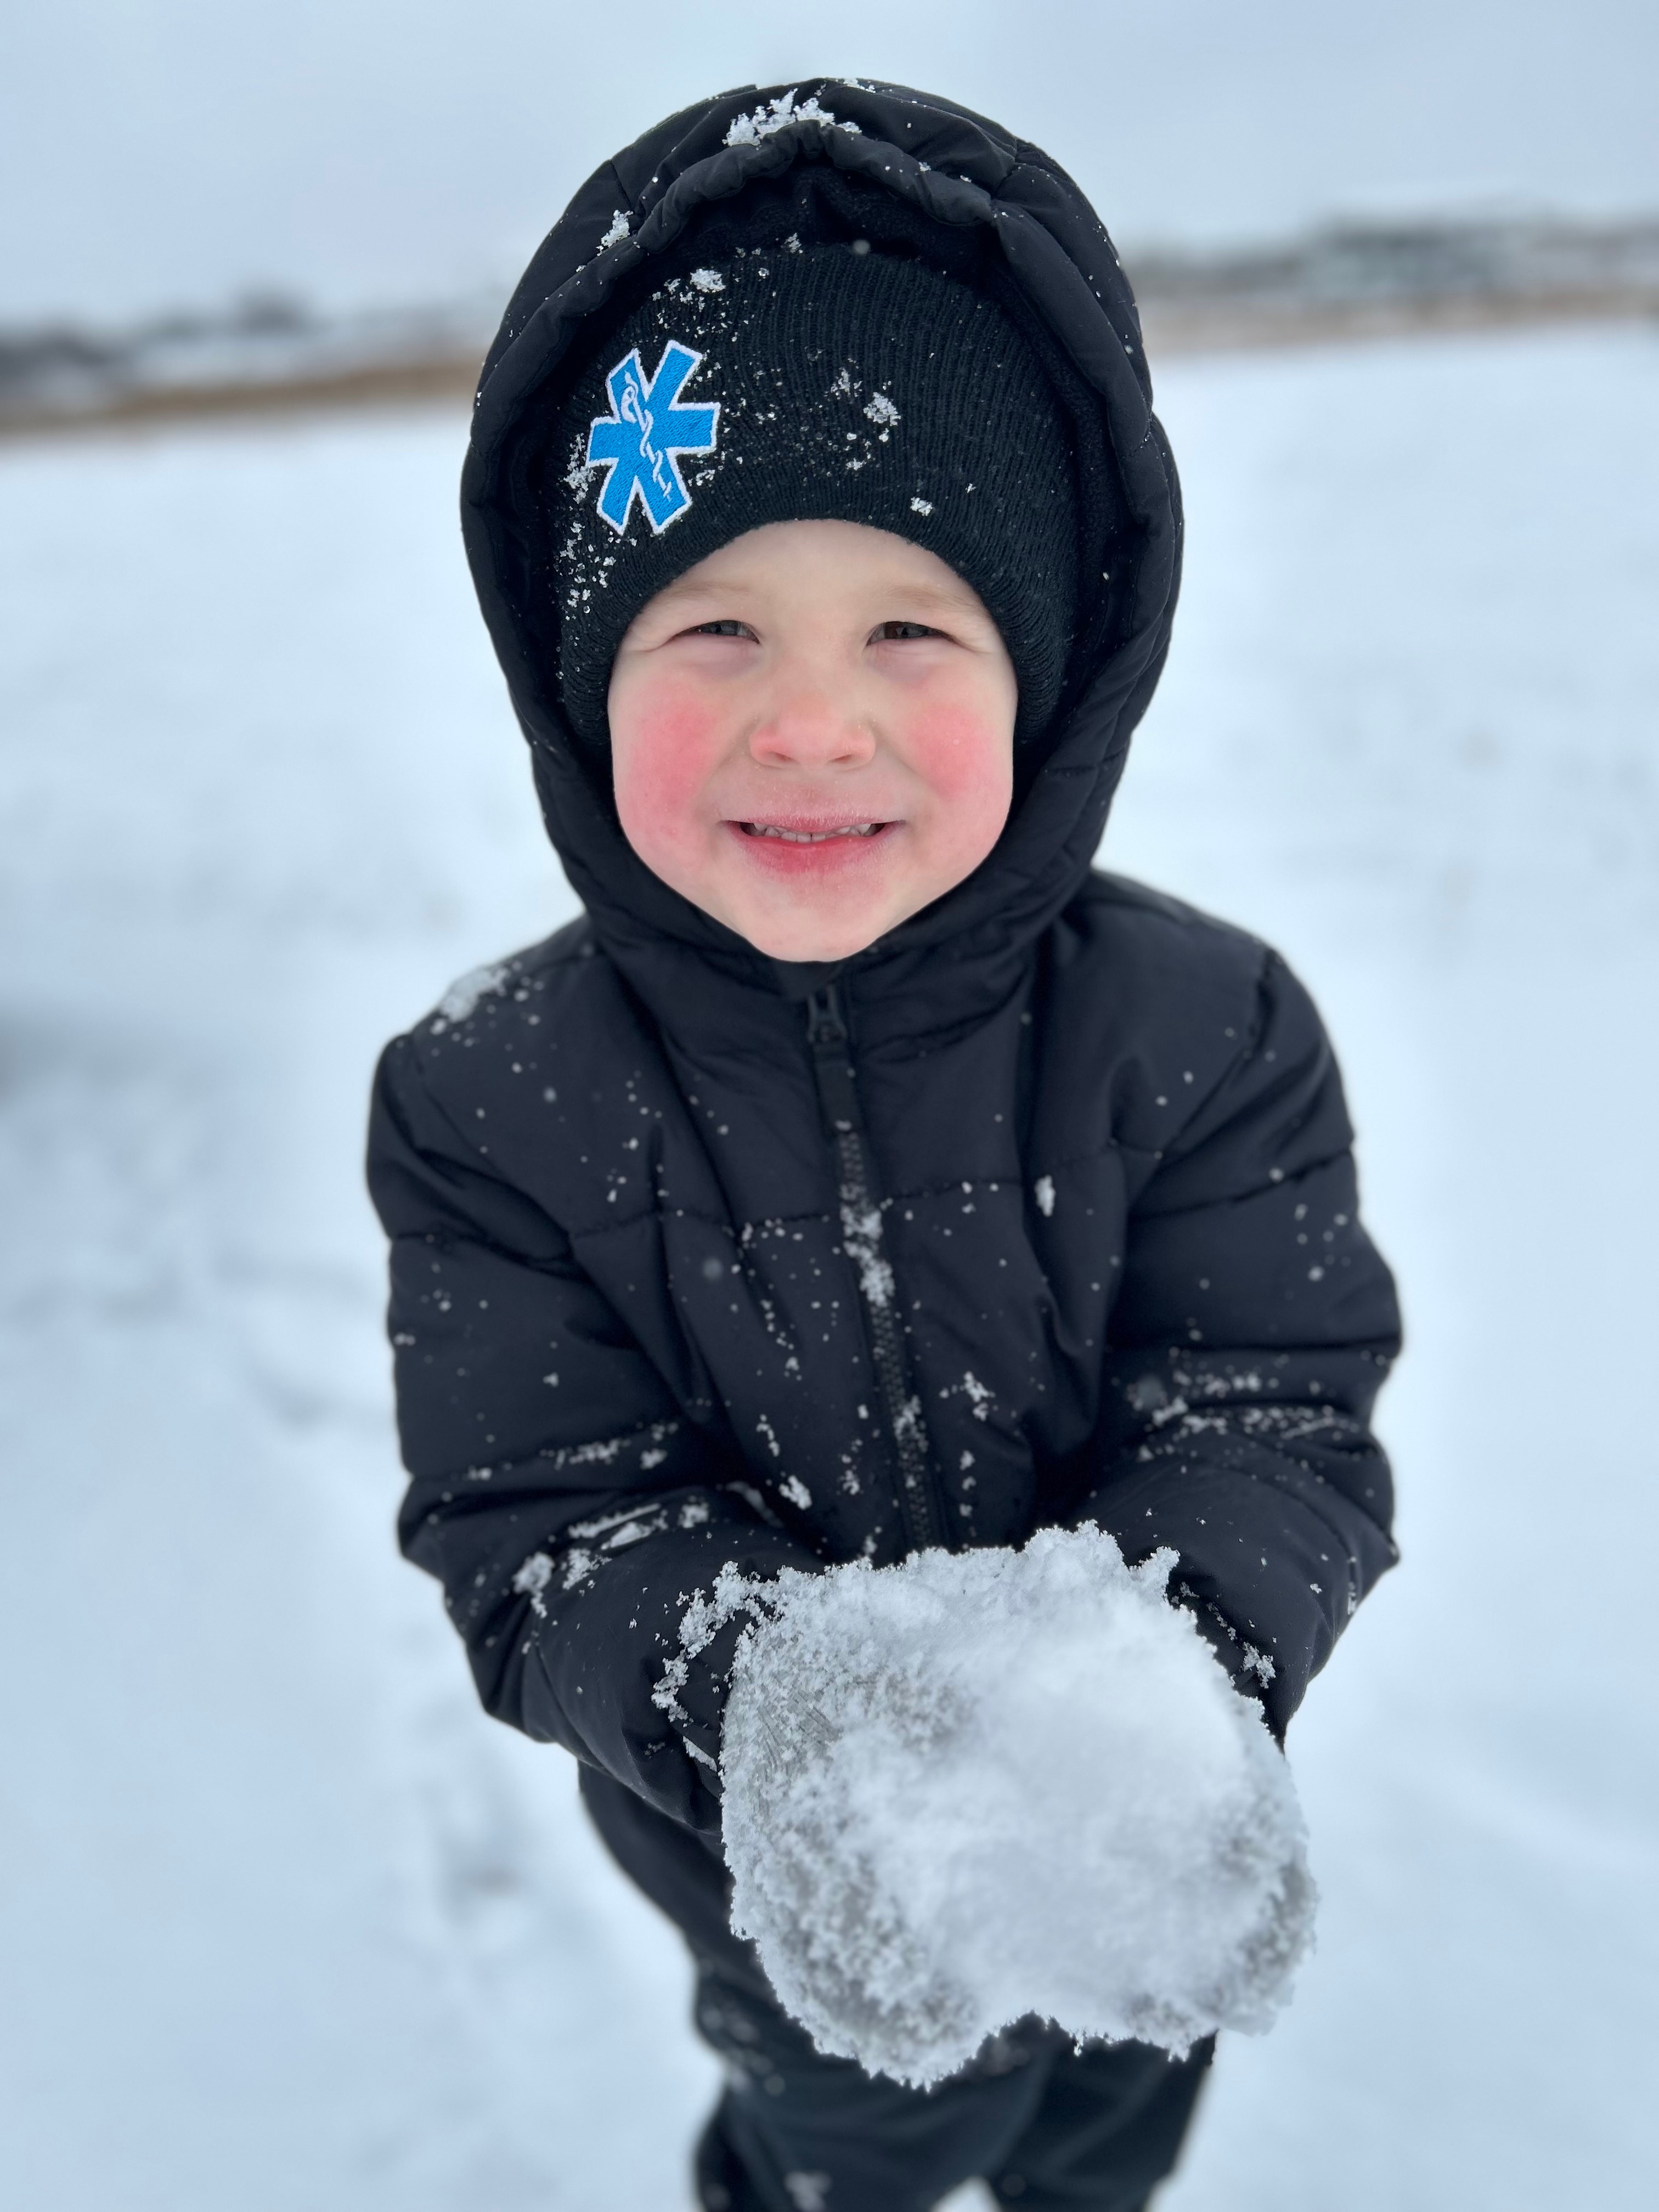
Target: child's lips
809, 846
792, 835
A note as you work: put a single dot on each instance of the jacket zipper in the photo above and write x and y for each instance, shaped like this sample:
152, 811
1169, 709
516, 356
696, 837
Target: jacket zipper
920, 1502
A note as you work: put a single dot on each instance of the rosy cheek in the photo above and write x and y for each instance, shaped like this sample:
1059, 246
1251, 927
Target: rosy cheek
665, 744
965, 759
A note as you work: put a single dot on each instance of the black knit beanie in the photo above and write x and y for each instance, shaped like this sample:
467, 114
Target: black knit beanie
826, 382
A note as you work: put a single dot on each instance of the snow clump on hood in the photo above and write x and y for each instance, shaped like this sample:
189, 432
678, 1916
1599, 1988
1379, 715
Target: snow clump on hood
983, 1785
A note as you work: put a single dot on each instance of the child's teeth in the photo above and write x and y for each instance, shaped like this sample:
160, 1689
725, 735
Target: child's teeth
810, 836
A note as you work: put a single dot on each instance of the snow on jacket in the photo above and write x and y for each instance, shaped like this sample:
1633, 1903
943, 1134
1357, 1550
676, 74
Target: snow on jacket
1042, 1210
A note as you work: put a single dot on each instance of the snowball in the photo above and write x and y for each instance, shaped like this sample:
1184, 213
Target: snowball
987, 1784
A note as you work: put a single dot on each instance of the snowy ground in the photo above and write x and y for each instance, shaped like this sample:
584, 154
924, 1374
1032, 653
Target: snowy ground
284, 1922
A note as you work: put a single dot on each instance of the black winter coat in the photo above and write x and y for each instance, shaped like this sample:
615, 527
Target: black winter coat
1042, 1210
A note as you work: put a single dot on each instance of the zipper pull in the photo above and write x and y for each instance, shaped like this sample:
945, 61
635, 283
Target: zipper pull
825, 1026
831, 1042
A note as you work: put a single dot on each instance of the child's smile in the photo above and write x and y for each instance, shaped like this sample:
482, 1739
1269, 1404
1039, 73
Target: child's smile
813, 735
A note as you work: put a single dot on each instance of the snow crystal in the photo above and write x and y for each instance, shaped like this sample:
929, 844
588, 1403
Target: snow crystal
979, 1395
707, 280
753, 1499
605, 1451
983, 1785
773, 116
533, 1579
464, 994
860, 1235
635, 1532
795, 1491
1045, 1195
921, 507
880, 409
629, 1526
618, 229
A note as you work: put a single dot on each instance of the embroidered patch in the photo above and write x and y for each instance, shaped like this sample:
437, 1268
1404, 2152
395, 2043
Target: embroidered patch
637, 441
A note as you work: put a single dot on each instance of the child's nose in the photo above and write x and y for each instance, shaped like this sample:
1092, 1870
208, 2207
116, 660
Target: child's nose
809, 728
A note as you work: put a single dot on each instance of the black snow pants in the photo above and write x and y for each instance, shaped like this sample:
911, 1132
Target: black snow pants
1050, 2128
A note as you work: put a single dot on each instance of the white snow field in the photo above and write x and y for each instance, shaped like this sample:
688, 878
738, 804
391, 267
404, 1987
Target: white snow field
285, 1924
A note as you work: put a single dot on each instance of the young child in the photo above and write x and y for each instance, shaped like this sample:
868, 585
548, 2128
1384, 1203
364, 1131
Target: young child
863, 1172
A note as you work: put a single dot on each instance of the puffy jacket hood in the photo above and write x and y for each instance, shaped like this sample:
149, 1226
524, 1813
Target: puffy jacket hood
934, 172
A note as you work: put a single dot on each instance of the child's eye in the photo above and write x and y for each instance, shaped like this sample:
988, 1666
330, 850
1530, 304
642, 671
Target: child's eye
722, 628
899, 632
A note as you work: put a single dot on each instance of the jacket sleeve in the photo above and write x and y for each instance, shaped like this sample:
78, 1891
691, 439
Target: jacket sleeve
556, 1491
1255, 1325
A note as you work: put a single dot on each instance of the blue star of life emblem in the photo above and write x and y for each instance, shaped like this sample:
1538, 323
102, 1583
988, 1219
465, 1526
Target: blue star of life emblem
637, 441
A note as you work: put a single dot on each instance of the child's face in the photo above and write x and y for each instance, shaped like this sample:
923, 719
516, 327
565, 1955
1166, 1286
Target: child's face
812, 735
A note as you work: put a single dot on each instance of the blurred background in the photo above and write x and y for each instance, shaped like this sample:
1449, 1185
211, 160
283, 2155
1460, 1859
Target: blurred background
284, 1922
